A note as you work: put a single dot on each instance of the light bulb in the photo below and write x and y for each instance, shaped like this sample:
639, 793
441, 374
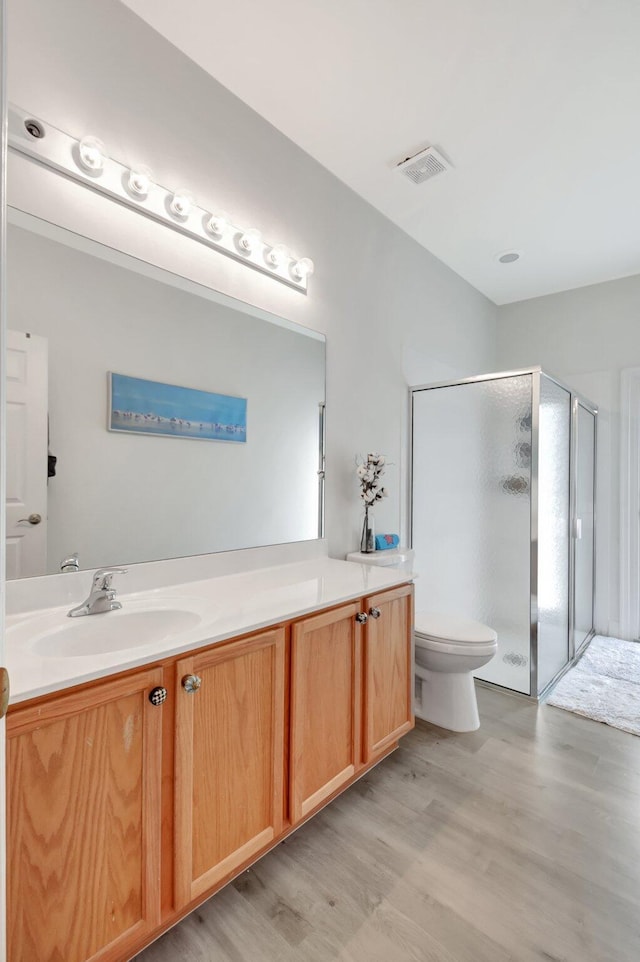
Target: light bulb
92, 154
303, 268
248, 240
181, 203
139, 180
218, 223
277, 255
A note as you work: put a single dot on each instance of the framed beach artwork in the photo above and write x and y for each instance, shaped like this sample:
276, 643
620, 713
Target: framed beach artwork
137, 406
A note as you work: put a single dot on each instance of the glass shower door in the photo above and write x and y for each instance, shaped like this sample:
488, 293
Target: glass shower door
552, 597
471, 511
584, 519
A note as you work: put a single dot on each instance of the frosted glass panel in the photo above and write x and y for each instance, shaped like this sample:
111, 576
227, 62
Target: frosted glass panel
471, 512
553, 530
585, 454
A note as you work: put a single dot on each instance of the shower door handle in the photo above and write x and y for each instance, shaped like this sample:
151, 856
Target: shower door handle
577, 529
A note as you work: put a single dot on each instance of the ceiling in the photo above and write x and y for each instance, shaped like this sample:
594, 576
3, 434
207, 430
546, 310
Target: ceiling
535, 104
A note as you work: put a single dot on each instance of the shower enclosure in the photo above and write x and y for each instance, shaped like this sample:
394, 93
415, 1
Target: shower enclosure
503, 516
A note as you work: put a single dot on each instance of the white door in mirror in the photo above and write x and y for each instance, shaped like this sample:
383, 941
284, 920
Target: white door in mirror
27, 404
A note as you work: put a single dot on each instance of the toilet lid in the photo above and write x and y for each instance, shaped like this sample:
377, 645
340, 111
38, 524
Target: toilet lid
452, 628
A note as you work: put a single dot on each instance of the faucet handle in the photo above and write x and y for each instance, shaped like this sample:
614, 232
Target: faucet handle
102, 577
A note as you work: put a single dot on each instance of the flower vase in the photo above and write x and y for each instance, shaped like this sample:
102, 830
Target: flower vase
368, 537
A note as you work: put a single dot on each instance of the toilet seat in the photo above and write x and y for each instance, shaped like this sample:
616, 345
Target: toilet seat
456, 647
452, 630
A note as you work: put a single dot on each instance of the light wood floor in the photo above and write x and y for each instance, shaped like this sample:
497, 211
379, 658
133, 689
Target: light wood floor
517, 842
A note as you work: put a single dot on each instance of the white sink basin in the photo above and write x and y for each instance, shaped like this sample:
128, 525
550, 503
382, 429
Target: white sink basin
131, 626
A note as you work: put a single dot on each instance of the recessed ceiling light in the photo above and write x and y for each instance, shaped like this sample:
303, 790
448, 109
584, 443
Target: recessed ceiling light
508, 257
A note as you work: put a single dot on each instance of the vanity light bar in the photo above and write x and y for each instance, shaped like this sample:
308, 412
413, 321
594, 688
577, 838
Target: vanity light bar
87, 162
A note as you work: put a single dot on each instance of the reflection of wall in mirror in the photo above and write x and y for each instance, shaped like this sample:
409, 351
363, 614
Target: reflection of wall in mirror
121, 498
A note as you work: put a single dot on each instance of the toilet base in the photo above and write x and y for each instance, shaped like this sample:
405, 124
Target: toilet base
447, 700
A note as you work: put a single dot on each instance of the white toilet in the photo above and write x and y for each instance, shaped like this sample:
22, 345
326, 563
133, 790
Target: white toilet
448, 650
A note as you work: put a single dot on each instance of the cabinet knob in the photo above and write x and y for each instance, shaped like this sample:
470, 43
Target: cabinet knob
158, 695
362, 617
191, 683
375, 612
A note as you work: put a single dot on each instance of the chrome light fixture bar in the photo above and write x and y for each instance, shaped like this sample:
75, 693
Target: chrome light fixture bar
87, 162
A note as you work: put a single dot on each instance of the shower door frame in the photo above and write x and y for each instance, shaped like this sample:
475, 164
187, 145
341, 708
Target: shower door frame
577, 401
629, 622
576, 398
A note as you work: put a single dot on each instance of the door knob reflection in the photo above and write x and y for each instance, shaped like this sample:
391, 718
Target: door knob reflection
32, 519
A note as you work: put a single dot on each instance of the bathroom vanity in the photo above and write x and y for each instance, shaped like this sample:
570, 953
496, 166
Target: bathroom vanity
156, 751
142, 778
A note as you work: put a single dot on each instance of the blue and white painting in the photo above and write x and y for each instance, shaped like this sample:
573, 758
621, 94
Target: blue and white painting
148, 407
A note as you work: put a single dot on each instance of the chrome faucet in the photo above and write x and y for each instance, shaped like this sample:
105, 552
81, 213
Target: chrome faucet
102, 596
72, 563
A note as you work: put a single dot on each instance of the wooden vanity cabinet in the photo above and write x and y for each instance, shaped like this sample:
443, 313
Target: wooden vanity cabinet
326, 683
229, 757
255, 735
83, 808
351, 693
388, 670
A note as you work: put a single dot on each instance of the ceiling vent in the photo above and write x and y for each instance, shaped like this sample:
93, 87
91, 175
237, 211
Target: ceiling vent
423, 165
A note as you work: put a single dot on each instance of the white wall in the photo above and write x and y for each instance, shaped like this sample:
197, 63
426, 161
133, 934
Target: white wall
393, 314
586, 337
121, 498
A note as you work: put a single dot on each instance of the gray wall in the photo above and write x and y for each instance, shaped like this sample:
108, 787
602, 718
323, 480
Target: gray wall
393, 314
586, 337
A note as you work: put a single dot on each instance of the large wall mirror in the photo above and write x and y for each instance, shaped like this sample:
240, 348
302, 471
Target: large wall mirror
178, 475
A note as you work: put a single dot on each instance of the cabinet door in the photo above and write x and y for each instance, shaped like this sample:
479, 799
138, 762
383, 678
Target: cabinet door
388, 670
229, 759
326, 678
83, 838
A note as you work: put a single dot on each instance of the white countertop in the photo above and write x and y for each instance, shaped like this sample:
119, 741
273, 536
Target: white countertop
225, 606
388, 556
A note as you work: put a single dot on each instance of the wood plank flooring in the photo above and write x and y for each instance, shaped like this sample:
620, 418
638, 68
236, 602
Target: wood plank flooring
516, 843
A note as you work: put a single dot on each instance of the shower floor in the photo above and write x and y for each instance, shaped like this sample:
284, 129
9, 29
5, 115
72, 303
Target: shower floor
509, 668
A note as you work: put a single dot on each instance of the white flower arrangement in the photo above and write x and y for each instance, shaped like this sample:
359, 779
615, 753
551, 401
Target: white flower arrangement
369, 473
